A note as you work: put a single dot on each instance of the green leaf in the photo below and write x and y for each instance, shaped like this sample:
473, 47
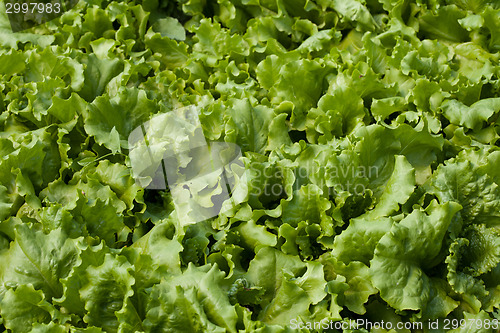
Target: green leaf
268, 71
289, 302
5, 203
241, 292
278, 133
70, 301
483, 252
108, 288
172, 54
421, 148
22, 307
38, 259
300, 82
100, 219
214, 41
97, 21
161, 244
459, 180
247, 125
98, 74
491, 21
440, 303
119, 116
443, 25
287, 281
37, 158
49, 328
384, 107
353, 10
338, 114
411, 246
470, 116
177, 310
66, 110
12, 63
320, 42
307, 204
56, 217
357, 276
255, 236
170, 27
200, 301
470, 289
50, 63
397, 189
119, 179
475, 62
359, 240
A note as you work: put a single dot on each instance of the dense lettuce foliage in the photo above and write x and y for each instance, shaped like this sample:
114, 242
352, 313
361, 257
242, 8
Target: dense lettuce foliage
370, 127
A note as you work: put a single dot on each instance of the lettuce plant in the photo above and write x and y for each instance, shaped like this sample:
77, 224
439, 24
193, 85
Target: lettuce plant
367, 187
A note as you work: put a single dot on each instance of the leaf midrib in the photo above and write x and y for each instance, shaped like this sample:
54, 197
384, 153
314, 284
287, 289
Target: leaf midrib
38, 269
